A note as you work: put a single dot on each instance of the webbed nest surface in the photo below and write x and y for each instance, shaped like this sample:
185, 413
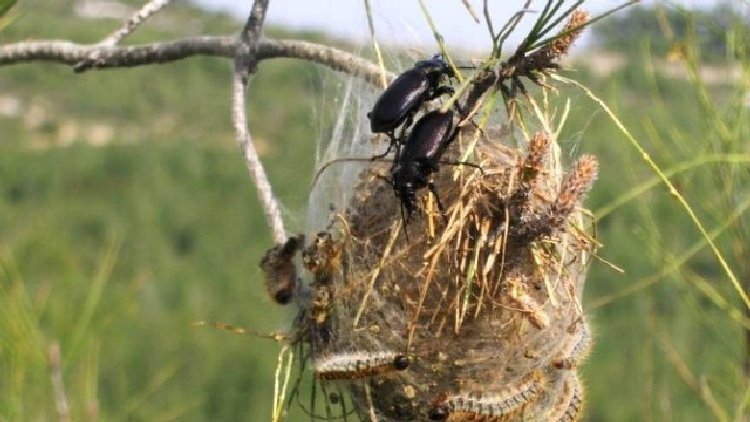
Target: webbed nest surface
481, 299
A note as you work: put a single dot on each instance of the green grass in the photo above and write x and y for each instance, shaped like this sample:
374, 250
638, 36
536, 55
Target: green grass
674, 345
116, 252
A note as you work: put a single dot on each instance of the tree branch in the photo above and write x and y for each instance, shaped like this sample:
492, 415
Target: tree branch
148, 10
246, 50
245, 64
245, 61
110, 57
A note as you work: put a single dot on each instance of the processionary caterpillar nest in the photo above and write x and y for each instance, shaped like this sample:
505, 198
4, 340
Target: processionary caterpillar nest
471, 312
483, 301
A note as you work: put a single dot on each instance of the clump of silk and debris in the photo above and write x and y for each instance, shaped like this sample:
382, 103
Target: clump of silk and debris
474, 315
469, 312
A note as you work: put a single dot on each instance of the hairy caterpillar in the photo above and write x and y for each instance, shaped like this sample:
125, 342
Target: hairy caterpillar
359, 365
575, 349
488, 407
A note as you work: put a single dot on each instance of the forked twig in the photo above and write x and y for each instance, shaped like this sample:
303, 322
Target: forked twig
245, 65
69, 53
148, 10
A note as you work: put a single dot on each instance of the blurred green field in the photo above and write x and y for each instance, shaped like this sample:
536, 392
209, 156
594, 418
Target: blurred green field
126, 215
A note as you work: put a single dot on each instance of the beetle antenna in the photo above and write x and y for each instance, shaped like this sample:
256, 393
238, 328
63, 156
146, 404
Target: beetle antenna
344, 160
463, 163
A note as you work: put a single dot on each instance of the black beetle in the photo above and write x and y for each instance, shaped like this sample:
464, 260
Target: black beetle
403, 97
420, 157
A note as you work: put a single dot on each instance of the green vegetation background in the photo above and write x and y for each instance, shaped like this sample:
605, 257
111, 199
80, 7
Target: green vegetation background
114, 251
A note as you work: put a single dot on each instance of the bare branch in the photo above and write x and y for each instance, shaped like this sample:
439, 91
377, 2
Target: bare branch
116, 37
148, 10
245, 61
334, 58
245, 64
247, 51
66, 52
252, 161
375, 45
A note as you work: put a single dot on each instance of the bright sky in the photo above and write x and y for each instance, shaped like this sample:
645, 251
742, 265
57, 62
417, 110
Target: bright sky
401, 21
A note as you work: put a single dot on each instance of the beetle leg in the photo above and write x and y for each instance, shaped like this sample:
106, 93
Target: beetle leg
408, 122
534, 78
397, 142
461, 112
385, 179
441, 90
517, 83
396, 155
392, 138
405, 221
379, 156
505, 91
463, 163
474, 124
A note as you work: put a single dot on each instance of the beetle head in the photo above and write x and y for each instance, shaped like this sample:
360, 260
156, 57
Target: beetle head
436, 65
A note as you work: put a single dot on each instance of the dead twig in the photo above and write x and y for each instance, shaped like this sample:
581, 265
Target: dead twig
112, 57
148, 10
245, 64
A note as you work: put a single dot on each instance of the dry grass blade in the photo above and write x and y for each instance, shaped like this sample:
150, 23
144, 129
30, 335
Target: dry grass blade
470, 10
671, 187
58, 386
375, 45
687, 376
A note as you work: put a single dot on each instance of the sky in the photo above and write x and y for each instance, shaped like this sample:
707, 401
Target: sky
401, 22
